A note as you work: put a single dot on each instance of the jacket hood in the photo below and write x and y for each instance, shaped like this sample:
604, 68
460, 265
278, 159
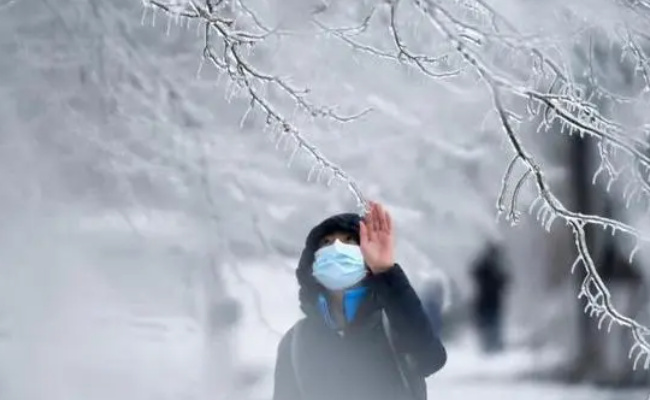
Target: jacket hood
309, 287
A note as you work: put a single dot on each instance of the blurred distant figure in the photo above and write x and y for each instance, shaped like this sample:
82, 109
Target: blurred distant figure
490, 284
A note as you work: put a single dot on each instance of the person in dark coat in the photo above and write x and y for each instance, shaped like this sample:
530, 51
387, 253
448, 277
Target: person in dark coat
365, 335
491, 282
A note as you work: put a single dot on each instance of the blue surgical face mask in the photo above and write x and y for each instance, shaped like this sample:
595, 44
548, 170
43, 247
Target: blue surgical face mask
339, 266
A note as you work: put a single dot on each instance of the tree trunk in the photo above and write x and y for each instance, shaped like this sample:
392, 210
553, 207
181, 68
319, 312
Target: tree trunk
599, 353
588, 354
626, 287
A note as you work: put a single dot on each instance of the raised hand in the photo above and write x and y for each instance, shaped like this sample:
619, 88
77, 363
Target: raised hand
376, 237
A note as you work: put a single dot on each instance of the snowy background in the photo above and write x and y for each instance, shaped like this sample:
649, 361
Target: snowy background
133, 205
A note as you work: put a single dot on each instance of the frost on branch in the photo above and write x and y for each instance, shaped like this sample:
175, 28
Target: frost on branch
547, 79
232, 31
550, 76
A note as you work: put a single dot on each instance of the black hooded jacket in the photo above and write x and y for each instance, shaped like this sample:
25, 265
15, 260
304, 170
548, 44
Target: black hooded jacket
357, 364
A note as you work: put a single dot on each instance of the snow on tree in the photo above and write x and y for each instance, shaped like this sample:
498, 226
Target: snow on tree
538, 74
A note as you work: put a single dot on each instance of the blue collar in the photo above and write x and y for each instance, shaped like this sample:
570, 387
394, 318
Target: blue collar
352, 299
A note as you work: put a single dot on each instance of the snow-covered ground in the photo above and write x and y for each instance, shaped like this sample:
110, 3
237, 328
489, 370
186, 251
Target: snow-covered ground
269, 293
77, 331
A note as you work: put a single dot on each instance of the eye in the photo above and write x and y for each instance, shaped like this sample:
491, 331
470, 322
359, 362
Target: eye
349, 239
326, 241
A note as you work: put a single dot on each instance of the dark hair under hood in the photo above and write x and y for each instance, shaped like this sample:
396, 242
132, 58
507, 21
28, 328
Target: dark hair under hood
309, 287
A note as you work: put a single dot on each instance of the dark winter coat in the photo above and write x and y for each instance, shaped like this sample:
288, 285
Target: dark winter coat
357, 364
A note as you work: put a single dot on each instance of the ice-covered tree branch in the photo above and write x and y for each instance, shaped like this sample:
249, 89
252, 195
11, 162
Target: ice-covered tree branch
599, 303
537, 70
532, 79
228, 42
571, 110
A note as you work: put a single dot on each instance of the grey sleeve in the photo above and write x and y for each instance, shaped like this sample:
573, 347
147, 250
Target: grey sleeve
285, 385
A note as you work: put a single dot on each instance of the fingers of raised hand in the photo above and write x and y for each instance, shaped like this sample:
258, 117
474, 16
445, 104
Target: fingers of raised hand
388, 222
364, 232
377, 219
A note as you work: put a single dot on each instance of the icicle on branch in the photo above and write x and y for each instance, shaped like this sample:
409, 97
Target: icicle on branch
246, 79
435, 67
593, 289
599, 303
565, 102
568, 103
